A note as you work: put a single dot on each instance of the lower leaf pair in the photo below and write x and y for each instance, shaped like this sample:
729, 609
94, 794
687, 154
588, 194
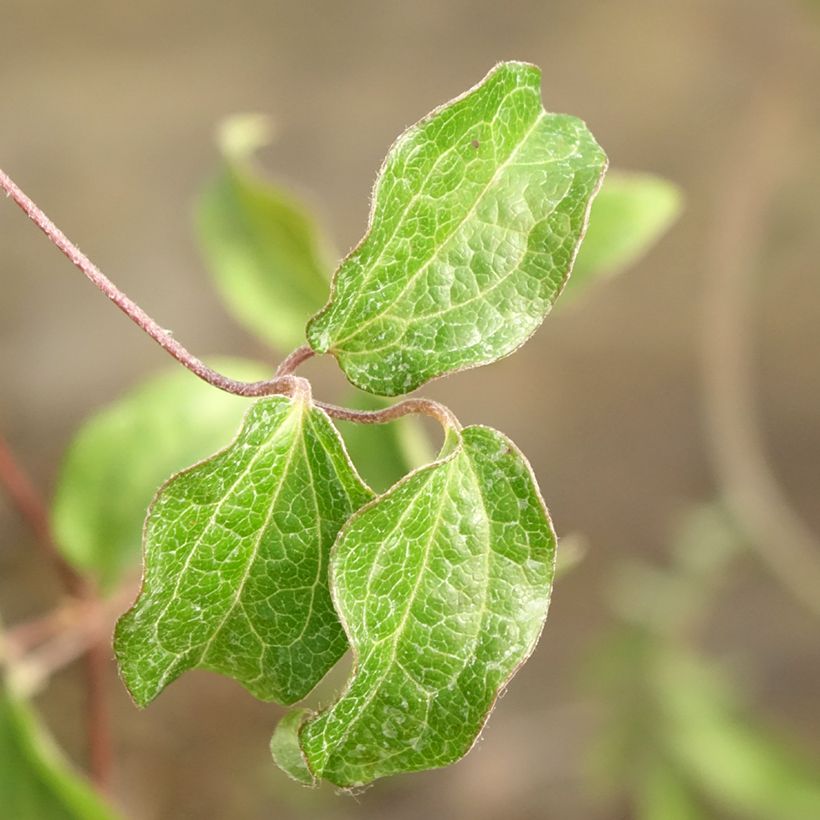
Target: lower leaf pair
266, 561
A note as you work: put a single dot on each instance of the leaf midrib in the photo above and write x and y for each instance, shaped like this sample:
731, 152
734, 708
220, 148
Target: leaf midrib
445, 242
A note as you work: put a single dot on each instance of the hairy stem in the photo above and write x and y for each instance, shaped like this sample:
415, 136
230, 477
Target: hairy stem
301, 354
131, 309
426, 407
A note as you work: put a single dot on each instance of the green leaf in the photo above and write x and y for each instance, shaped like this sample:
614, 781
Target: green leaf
631, 212
268, 258
663, 795
442, 585
746, 768
122, 453
384, 453
477, 215
236, 553
36, 783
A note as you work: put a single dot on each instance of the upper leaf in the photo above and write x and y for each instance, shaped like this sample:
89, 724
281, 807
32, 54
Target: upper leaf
442, 585
268, 258
236, 554
630, 213
120, 455
35, 781
477, 215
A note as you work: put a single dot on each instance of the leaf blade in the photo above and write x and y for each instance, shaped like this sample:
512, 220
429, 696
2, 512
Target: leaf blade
236, 555
436, 631
477, 215
121, 454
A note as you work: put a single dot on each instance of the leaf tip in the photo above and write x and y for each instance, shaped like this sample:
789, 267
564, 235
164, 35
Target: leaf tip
287, 750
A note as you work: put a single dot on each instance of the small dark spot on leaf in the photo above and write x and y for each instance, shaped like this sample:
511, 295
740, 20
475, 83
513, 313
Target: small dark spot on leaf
475, 144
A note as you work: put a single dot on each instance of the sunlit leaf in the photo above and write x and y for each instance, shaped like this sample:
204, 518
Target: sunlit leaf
236, 555
122, 453
442, 585
36, 783
477, 215
269, 260
631, 212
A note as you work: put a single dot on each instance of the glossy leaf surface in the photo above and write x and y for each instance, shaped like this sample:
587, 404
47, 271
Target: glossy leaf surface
442, 585
236, 557
121, 455
477, 215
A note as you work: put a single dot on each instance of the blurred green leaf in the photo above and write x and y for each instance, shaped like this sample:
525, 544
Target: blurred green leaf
629, 214
383, 453
268, 258
36, 783
731, 759
121, 455
663, 795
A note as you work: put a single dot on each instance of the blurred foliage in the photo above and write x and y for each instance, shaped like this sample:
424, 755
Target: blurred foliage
678, 741
122, 454
631, 212
269, 261
35, 782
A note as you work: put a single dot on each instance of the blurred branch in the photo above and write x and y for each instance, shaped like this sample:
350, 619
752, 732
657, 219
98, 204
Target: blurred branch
753, 169
34, 512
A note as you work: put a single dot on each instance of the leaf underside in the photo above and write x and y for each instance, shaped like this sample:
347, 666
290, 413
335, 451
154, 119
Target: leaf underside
477, 215
443, 585
236, 554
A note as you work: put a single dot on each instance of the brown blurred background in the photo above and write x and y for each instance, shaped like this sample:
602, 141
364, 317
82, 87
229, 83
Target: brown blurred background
107, 117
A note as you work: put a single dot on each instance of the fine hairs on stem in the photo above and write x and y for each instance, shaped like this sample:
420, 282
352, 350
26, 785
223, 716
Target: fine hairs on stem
283, 381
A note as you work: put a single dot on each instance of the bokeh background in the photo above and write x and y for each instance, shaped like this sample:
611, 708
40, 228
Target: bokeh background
108, 115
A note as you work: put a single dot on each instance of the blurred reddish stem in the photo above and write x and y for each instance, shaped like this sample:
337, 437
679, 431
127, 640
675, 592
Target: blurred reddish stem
34, 512
132, 310
752, 170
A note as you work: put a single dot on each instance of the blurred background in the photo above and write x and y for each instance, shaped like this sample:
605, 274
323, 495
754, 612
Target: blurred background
670, 414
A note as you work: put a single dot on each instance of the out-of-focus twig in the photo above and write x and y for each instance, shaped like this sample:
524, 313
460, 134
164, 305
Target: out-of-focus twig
753, 168
33, 510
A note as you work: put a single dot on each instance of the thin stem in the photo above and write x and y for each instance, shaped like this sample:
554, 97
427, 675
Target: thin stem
131, 309
426, 407
301, 354
33, 510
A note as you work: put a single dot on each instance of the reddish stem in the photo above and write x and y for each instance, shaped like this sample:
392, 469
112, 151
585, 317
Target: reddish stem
131, 309
34, 512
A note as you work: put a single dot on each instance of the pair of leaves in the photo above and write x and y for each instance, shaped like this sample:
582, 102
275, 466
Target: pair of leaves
441, 586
